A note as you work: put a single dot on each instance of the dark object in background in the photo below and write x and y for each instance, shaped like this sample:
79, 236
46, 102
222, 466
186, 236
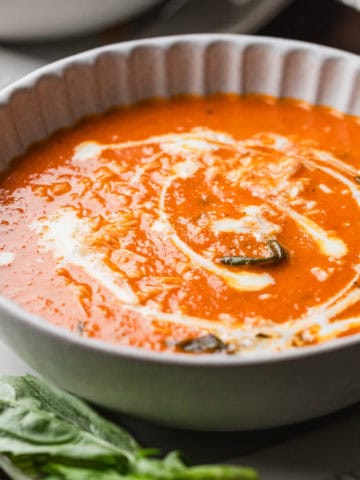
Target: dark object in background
327, 22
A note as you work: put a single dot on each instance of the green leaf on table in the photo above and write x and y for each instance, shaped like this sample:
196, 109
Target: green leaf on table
173, 468
34, 390
48, 434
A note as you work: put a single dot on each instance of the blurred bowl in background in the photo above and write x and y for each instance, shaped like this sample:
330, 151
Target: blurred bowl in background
40, 19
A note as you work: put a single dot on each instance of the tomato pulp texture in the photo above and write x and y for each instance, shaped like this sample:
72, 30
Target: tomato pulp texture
118, 228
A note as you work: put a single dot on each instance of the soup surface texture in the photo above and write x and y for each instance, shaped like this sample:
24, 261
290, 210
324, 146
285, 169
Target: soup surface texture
220, 224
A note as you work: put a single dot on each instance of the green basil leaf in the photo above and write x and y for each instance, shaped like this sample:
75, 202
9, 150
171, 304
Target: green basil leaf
173, 468
47, 434
53, 470
36, 391
36, 432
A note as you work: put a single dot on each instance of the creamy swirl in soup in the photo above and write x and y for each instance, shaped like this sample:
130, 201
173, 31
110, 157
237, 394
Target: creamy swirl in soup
201, 225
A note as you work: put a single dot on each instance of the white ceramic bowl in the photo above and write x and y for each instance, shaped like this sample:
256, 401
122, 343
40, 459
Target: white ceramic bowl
39, 19
198, 392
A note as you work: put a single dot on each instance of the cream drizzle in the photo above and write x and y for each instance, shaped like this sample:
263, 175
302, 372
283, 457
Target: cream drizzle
192, 145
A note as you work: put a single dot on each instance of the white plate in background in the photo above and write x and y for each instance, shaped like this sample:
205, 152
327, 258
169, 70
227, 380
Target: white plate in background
14, 65
43, 19
172, 17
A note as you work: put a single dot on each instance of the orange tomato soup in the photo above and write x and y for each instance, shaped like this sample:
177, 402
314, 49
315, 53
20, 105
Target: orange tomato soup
221, 224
